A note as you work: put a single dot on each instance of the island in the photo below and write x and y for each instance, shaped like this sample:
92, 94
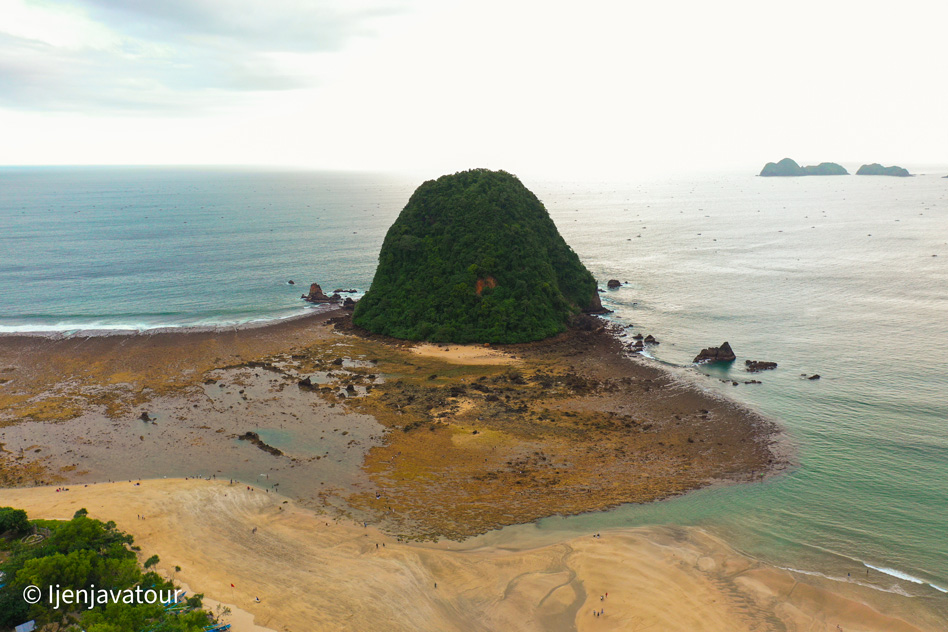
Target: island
875, 169
475, 257
789, 168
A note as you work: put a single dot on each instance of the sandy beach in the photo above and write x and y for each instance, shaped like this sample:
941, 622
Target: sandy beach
312, 572
366, 466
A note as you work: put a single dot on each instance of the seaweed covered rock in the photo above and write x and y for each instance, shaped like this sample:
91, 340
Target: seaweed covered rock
475, 257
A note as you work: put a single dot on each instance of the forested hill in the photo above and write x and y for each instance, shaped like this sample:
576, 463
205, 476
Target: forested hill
475, 257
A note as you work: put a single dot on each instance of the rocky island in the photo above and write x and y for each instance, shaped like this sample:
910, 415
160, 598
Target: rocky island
789, 168
875, 169
475, 257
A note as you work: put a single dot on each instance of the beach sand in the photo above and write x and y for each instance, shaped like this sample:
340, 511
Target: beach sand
312, 572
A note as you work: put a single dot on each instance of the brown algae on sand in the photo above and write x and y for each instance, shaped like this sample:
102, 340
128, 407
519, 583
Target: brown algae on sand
442, 442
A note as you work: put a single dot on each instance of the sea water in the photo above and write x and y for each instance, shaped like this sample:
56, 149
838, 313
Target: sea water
846, 277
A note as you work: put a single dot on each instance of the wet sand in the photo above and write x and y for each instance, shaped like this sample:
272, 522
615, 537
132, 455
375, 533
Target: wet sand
312, 572
428, 440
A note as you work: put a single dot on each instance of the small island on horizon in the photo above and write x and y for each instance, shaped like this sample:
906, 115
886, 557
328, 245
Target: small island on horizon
789, 168
875, 169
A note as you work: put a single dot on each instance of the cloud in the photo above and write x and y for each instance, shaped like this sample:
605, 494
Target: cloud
174, 56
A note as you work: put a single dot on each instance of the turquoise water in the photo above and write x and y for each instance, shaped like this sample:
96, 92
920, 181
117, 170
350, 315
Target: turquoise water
834, 276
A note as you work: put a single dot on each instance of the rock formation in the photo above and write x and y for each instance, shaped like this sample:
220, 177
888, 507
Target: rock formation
316, 295
715, 354
788, 167
756, 366
613, 284
875, 169
475, 257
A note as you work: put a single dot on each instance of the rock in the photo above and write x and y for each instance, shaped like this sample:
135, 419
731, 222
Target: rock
715, 354
650, 340
305, 383
316, 295
341, 291
291, 282
875, 169
637, 337
789, 167
595, 306
255, 439
613, 284
756, 366
348, 303
336, 297
815, 376
753, 382
145, 416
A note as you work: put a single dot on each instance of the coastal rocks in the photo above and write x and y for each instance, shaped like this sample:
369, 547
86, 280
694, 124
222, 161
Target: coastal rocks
613, 284
595, 306
291, 282
715, 354
638, 337
255, 439
875, 169
789, 168
145, 416
316, 295
815, 376
651, 340
756, 366
348, 304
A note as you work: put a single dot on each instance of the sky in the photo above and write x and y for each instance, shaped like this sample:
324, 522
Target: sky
538, 87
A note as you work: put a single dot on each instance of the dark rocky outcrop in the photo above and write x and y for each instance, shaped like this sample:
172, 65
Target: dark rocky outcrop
348, 303
291, 282
875, 169
789, 168
255, 439
650, 340
815, 376
715, 354
756, 366
613, 284
316, 295
145, 416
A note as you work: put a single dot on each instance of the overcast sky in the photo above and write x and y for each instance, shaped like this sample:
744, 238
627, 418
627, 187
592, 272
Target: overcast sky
440, 85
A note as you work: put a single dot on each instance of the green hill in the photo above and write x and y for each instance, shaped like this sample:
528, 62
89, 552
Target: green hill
475, 257
875, 169
789, 167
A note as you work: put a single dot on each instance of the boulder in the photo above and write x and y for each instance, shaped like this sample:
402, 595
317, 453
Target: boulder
716, 354
291, 282
613, 284
650, 340
348, 303
316, 295
756, 366
815, 376
595, 306
637, 337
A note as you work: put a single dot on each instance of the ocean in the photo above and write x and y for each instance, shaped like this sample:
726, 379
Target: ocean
845, 277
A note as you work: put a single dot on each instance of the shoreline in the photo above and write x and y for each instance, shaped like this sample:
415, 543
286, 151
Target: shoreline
251, 374
315, 572
314, 311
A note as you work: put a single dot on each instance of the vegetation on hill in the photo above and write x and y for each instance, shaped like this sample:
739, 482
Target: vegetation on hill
789, 167
475, 257
83, 553
875, 169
